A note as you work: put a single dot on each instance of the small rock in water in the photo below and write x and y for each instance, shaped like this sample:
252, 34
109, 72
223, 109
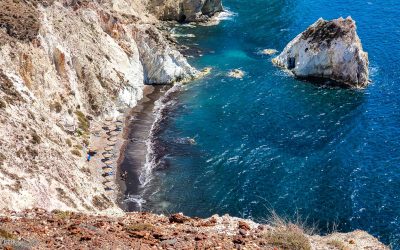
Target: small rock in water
269, 52
327, 49
236, 73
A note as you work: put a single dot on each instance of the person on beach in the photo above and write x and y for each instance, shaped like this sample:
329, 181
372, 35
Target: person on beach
124, 175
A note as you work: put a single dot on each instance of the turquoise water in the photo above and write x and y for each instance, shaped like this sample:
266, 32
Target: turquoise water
269, 141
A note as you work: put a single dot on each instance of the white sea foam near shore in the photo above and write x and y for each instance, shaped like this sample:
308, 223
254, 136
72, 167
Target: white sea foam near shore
161, 106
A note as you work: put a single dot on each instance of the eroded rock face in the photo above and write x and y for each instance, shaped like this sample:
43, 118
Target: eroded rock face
59, 59
328, 49
185, 10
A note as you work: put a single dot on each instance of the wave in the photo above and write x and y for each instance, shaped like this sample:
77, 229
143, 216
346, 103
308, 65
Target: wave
136, 199
160, 110
226, 15
182, 35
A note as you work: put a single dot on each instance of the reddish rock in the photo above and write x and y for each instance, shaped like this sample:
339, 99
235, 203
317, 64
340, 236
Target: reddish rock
178, 218
244, 225
238, 240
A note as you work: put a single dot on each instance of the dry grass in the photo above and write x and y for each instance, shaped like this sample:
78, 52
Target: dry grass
288, 235
101, 202
139, 227
338, 244
56, 106
62, 214
35, 138
6, 235
69, 142
3, 104
76, 152
84, 123
2, 159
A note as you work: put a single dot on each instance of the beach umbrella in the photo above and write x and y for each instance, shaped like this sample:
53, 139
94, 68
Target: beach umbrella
108, 170
107, 155
113, 127
108, 148
108, 184
114, 133
109, 162
113, 139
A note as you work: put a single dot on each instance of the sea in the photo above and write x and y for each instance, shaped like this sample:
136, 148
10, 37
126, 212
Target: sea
271, 143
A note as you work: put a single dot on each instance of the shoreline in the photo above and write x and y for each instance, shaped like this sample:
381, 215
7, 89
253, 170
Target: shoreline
137, 128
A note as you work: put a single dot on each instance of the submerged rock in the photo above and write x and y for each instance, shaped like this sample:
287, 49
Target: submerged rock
236, 73
268, 52
328, 49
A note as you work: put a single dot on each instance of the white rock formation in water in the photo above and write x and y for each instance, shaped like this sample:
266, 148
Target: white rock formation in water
328, 49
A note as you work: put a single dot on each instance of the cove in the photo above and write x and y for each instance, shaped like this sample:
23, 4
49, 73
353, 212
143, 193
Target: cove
269, 141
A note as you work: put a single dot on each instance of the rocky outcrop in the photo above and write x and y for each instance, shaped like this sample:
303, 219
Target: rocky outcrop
328, 49
185, 10
38, 229
64, 65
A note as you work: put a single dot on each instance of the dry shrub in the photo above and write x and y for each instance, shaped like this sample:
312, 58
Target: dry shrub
2, 159
62, 214
6, 235
3, 104
139, 227
56, 106
338, 244
69, 142
287, 235
83, 122
86, 170
101, 202
76, 152
35, 138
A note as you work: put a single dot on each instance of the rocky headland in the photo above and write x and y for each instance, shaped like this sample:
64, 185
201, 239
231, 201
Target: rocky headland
328, 49
70, 72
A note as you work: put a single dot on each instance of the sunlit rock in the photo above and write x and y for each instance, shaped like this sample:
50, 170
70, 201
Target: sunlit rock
328, 49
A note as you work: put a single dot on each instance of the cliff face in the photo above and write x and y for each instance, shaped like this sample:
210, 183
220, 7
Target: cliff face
185, 10
328, 49
63, 66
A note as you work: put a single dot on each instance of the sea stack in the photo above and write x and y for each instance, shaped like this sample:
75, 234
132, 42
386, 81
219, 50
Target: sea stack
328, 49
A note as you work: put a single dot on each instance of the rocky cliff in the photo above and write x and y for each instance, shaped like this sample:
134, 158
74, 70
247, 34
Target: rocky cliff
65, 65
328, 49
185, 10
38, 229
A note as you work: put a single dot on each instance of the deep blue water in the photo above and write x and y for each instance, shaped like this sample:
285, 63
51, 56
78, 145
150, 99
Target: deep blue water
270, 141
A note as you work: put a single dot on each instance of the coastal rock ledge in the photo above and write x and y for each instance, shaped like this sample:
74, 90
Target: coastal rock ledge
328, 49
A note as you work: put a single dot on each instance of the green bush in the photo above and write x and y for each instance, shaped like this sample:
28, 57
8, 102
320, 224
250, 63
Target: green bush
83, 122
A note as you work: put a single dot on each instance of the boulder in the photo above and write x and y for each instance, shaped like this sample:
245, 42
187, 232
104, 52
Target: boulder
185, 10
328, 49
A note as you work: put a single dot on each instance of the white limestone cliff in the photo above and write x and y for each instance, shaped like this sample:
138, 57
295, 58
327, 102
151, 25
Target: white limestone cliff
61, 61
185, 10
328, 49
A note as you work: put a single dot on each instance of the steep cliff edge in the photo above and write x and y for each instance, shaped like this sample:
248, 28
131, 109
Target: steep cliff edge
63, 66
38, 229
